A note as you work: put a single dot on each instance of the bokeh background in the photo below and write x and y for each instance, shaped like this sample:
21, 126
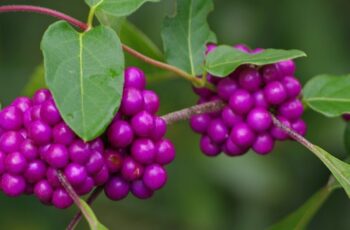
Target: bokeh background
249, 192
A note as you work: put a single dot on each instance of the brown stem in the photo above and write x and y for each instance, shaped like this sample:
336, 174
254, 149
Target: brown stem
93, 196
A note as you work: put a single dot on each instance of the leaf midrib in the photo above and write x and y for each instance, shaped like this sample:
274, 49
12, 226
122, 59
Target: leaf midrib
189, 43
81, 76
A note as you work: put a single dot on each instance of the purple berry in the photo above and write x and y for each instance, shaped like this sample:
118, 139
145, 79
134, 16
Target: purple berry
257, 51
86, 187
75, 174
250, 79
131, 170
49, 113
210, 48
101, 177
160, 128
95, 163
202, 92
165, 152
79, 152
199, 123
62, 134
241, 101
132, 101
22, 103
271, 73
208, 147
29, 150
143, 150
263, 144
40, 132
140, 190
143, 124
97, 145
242, 135
57, 156
291, 110
292, 86
154, 177
275, 93
259, 100
231, 149
10, 141
299, 126
15, 163
242, 47
113, 160
278, 133
52, 177
43, 191
287, 67
217, 131
2, 162
11, 118
151, 101
135, 78
13, 185
117, 188
226, 87
229, 117
41, 96
61, 199
35, 171
259, 119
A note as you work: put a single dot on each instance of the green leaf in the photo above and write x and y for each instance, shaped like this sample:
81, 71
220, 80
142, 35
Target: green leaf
300, 218
347, 138
329, 95
84, 71
97, 225
225, 59
118, 8
35, 82
186, 34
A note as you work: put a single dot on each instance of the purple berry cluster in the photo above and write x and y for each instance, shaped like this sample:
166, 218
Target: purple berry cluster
137, 150
251, 93
35, 142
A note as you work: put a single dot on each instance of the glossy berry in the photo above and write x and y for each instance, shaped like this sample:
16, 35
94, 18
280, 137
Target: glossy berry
199, 123
62, 134
49, 113
143, 124
40, 132
241, 101
144, 151
292, 86
75, 173
263, 144
22, 103
132, 101
242, 135
271, 73
95, 163
13, 185
15, 163
134, 78
151, 101
232, 149
61, 199
117, 188
41, 96
79, 152
10, 141
292, 109
165, 152
140, 190
160, 128
43, 191
113, 160
11, 118
250, 79
287, 67
229, 117
208, 147
259, 119
36, 170
57, 156
217, 131
275, 93
155, 177
226, 88
131, 170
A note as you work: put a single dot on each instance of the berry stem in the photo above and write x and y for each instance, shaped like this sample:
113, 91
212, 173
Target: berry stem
46, 11
93, 196
68, 187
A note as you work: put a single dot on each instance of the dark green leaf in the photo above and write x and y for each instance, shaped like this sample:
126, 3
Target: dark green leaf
225, 59
347, 138
96, 225
186, 34
329, 95
36, 81
119, 8
84, 71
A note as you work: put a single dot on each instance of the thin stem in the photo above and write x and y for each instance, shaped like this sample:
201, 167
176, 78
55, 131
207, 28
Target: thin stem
68, 187
46, 11
91, 18
195, 81
74, 222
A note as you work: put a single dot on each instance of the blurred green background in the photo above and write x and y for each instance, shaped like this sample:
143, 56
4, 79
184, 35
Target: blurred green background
249, 192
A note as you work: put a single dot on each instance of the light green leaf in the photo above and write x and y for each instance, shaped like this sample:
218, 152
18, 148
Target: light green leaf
328, 94
186, 34
118, 8
95, 223
84, 71
225, 59
35, 82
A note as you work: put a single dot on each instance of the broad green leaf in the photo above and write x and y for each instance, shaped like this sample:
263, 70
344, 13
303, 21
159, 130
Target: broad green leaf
96, 225
84, 71
225, 59
186, 34
119, 8
329, 95
35, 82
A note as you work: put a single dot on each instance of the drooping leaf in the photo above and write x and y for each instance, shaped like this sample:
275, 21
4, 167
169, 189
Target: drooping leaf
35, 82
329, 95
186, 34
84, 71
118, 8
225, 59
96, 223
347, 138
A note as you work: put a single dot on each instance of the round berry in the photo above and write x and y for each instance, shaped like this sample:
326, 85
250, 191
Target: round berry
202, 92
275, 93
160, 128
11, 118
22, 103
217, 131
40, 132
29, 150
117, 188
75, 174
140, 190
210, 48
132, 101
154, 177
143, 124
242, 135
43, 191
57, 156
242, 47
259, 100
61, 199
226, 87
97, 145
292, 86
113, 160
151, 101
241, 101
263, 144
165, 152
199, 123
35, 171
292, 109
278, 133
229, 117
13, 185
208, 147
250, 79
41, 96
270, 73
2, 162
52, 177
49, 113
79, 152
15, 163
95, 163
10, 141
259, 119
131, 170
299, 126
134, 77
86, 187
231, 149
101, 177
143, 150
287, 67
62, 134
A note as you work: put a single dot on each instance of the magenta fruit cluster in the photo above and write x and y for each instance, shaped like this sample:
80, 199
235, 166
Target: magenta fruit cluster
251, 93
35, 143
